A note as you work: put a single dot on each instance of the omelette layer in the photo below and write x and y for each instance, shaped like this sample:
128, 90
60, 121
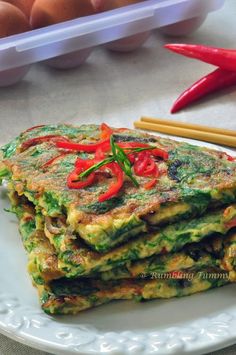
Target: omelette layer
214, 251
72, 296
75, 259
197, 178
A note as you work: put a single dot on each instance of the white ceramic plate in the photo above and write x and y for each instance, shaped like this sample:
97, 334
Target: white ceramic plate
191, 325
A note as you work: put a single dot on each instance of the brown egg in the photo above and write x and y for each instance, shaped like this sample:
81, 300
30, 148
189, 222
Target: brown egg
49, 12
24, 5
12, 20
129, 43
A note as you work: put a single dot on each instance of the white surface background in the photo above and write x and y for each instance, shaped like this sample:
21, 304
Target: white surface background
112, 85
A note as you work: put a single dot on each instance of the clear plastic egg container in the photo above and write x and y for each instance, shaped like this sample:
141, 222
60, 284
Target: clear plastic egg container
69, 44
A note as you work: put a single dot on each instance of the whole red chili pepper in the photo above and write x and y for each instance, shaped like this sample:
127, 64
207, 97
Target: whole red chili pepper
220, 57
212, 82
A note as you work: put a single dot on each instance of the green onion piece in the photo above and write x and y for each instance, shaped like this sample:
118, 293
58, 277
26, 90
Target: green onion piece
123, 161
137, 150
96, 167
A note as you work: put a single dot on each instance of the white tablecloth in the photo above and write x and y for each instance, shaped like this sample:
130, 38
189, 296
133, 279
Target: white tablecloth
119, 88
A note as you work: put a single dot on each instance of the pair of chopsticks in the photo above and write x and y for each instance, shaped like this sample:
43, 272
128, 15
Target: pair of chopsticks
188, 130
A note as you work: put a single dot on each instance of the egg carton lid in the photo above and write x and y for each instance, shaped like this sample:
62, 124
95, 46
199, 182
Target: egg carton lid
90, 31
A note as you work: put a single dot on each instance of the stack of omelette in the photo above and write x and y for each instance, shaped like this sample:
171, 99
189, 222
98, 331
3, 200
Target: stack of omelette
172, 240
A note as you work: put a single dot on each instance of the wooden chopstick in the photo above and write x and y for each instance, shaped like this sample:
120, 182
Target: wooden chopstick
206, 136
196, 127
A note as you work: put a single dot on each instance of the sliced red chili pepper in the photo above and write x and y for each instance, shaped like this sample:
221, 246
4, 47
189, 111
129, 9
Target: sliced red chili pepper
106, 131
131, 157
38, 140
99, 154
141, 163
157, 152
80, 166
145, 165
51, 161
220, 57
88, 148
160, 153
34, 127
73, 184
152, 169
150, 184
132, 145
229, 157
114, 187
83, 164
79, 162
216, 80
